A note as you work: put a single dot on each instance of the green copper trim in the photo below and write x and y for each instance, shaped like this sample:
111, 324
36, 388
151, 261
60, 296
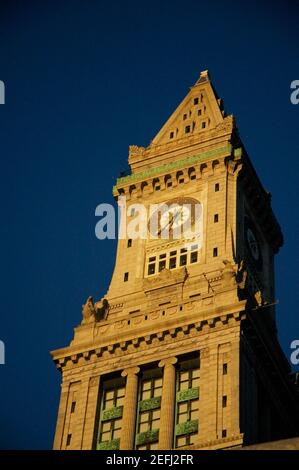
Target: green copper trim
112, 413
109, 445
173, 165
150, 404
238, 152
148, 436
186, 428
185, 395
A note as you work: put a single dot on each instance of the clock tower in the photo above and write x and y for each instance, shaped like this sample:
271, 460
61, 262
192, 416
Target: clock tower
182, 351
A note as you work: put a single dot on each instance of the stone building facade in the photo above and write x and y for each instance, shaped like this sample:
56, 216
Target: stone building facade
182, 351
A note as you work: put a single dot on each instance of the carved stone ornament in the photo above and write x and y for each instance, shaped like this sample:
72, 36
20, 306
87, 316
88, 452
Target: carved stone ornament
88, 312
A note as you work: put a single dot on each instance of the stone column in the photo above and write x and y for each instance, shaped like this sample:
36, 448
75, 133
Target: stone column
129, 410
167, 404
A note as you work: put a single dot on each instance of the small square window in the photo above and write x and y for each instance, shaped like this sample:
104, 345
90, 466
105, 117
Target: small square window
224, 433
129, 243
224, 401
169, 184
126, 277
196, 100
215, 252
185, 117
216, 218
203, 125
157, 188
171, 135
194, 256
181, 180
216, 187
187, 129
224, 370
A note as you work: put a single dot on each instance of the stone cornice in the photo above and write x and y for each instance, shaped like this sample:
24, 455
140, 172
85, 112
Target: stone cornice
176, 165
117, 346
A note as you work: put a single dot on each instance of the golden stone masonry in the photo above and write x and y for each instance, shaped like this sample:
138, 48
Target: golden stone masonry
182, 351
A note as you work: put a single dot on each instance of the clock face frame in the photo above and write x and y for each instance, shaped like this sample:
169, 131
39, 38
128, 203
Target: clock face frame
173, 217
252, 244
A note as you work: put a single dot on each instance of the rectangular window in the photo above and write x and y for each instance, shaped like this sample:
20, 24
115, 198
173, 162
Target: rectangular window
187, 129
224, 401
148, 418
193, 257
111, 408
216, 218
216, 187
184, 117
224, 370
162, 265
172, 263
187, 401
199, 112
183, 260
132, 211
163, 256
196, 100
153, 258
215, 252
171, 135
203, 125
151, 269
169, 184
129, 243
73, 407
68, 439
126, 277
223, 432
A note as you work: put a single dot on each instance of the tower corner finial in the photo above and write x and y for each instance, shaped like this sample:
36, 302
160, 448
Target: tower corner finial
203, 77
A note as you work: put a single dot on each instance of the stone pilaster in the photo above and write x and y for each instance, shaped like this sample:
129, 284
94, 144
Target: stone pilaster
129, 410
61, 416
90, 425
167, 404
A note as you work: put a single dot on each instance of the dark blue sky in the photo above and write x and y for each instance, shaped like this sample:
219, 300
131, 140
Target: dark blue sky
84, 79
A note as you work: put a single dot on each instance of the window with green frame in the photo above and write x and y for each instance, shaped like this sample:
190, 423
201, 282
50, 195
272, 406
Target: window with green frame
148, 418
111, 407
187, 401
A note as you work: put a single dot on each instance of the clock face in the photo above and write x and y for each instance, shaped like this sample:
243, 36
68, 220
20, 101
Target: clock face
174, 218
252, 243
